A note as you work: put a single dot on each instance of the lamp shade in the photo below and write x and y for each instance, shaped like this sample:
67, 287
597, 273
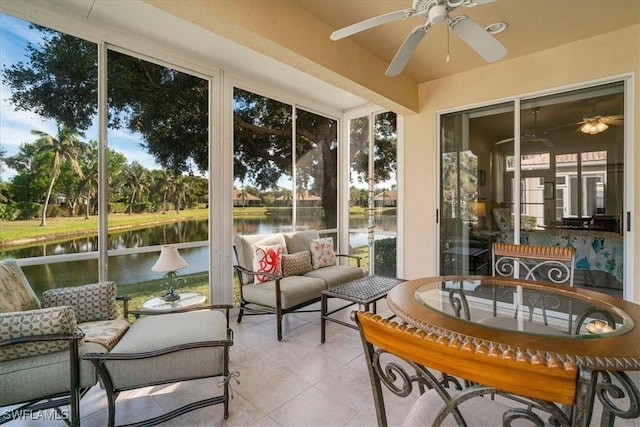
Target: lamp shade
169, 260
478, 209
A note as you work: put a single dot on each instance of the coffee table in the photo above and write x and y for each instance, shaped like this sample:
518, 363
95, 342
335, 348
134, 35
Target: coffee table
364, 291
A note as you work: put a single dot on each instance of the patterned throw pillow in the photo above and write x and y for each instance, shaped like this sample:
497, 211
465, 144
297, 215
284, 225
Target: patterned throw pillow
296, 264
43, 321
267, 259
503, 219
96, 301
322, 254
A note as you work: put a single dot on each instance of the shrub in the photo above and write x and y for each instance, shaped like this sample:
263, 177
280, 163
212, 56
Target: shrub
8, 212
54, 211
116, 207
28, 210
385, 257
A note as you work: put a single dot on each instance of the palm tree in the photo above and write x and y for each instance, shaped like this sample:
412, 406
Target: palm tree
181, 190
137, 179
167, 185
90, 182
66, 147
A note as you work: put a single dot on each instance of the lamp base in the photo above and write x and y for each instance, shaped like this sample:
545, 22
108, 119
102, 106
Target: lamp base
171, 296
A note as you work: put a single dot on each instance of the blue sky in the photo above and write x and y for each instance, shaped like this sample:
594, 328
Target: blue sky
16, 126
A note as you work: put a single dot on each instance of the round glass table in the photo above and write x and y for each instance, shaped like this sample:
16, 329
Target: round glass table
597, 332
187, 299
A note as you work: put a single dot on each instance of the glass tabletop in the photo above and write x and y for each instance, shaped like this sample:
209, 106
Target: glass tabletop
533, 308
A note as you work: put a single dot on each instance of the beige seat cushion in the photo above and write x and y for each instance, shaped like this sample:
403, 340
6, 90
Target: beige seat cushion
300, 240
294, 290
164, 331
16, 293
335, 275
28, 378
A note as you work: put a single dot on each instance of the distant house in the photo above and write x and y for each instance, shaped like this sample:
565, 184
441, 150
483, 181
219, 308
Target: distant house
305, 199
386, 199
243, 199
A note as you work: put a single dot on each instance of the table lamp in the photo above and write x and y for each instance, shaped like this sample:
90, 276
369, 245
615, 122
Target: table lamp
168, 262
479, 209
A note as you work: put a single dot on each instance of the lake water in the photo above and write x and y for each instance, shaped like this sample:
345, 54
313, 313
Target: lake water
134, 268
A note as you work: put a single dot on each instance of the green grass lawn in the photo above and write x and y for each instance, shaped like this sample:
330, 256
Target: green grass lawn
61, 227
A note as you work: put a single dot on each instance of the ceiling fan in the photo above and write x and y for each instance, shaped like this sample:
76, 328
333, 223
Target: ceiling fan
436, 12
599, 123
534, 135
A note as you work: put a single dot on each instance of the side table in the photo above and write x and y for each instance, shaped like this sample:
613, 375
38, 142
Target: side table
158, 305
365, 291
478, 259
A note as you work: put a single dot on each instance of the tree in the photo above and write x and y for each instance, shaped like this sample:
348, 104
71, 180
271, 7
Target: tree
170, 110
66, 147
165, 181
137, 181
59, 81
181, 191
30, 184
3, 161
89, 185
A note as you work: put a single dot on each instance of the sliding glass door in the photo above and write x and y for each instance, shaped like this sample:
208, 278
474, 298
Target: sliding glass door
560, 183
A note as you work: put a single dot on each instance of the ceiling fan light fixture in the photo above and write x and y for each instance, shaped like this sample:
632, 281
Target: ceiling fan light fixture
437, 14
594, 127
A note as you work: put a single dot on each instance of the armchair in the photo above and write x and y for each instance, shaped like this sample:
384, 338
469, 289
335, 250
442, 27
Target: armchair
40, 342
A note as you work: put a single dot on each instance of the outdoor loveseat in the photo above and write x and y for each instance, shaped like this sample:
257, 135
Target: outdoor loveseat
285, 272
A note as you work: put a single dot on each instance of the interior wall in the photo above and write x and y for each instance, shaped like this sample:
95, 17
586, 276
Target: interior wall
618, 53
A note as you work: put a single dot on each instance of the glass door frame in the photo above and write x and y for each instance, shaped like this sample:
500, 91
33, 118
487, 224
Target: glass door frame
371, 111
628, 190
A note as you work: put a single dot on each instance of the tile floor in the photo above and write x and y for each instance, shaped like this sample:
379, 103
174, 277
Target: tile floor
295, 382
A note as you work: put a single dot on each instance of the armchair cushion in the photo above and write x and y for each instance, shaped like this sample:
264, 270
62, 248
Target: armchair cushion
15, 292
31, 378
96, 301
300, 240
155, 333
44, 321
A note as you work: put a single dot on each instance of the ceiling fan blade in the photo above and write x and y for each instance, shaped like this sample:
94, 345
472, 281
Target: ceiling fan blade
371, 22
406, 50
478, 39
504, 141
473, 3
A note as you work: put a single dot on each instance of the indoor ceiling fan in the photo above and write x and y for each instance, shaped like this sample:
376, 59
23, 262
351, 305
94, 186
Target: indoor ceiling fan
435, 12
599, 123
534, 135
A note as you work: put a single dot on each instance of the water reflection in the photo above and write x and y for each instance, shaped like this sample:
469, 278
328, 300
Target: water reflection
134, 268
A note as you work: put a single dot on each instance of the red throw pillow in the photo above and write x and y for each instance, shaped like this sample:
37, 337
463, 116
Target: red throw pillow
267, 259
